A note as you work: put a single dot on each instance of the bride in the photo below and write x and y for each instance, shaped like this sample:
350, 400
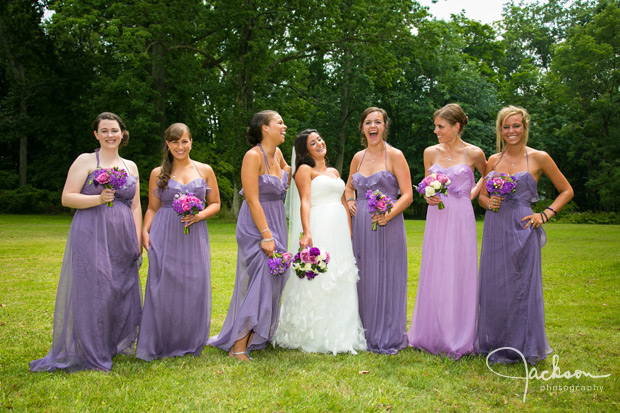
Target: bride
320, 315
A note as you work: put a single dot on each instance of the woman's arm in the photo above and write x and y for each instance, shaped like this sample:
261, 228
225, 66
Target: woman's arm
78, 172
480, 163
349, 191
484, 200
154, 205
250, 170
303, 179
136, 207
429, 157
566, 193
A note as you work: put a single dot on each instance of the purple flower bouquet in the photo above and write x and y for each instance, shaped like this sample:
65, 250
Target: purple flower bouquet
279, 262
187, 204
500, 184
310, 262
110, 178
378, 203
432, 185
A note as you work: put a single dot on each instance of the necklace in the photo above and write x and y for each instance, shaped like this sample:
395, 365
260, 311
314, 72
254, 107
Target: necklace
373, 160
512, 164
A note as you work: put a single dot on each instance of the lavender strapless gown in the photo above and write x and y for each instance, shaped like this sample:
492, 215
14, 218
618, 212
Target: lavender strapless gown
444, 316
511, 311
381, 257
177, 306
98, 303
255, 303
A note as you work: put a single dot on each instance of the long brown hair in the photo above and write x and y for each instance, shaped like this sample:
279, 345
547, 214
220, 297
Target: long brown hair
172, 134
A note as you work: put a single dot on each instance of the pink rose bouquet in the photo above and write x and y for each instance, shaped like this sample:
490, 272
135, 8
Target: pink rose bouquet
110, 178
432, 185
187, 204
279, 262
378, 203
310, 262
500, 184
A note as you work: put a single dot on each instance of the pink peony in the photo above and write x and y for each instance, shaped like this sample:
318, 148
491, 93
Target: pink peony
102, 178
429, 179
498, 182
305, 255
186, 206
381, 205
442, 178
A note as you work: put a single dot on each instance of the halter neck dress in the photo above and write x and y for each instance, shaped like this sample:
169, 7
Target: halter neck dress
98, 303
444, 316
511, 311
381, 257
177, 306
255, 302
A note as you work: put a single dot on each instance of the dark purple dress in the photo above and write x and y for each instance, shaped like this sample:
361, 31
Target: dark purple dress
177, 306
255, 303
511, 311
98, 303
381, 257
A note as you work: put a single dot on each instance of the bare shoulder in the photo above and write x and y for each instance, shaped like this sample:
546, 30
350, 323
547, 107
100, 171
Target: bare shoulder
540, 156
473, 150
156, 172
204, 168
494, 157
131, 165
333, 172
431, 150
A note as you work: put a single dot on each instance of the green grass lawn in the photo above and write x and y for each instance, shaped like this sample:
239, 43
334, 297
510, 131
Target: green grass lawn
581, 268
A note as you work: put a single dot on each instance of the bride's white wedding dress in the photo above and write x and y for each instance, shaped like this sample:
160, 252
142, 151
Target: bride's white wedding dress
321, 315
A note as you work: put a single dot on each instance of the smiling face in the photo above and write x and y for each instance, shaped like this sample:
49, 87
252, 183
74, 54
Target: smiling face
181, 147
108, 133
513, 130
316, 146
275, 129
445, 131
373, 128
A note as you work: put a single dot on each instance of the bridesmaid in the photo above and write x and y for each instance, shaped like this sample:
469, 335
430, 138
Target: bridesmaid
261, 230
177, 307
98, 300
444, 317
511, 311
381, 255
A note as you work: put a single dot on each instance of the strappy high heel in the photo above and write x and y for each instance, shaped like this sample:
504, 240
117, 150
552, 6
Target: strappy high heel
233, 354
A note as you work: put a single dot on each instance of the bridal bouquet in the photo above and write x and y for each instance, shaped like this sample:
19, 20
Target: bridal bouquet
432, 185
310, 262
500, 184
378, 203
187, 204
279, 262
110, 178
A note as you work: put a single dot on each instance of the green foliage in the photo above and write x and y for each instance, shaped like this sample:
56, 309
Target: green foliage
212, 64
30, 200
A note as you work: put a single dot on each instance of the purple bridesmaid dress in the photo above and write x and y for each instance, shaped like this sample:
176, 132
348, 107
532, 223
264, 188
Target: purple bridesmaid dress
381, 257
177, 306
98, 303
255, 303
511, 311
444, 316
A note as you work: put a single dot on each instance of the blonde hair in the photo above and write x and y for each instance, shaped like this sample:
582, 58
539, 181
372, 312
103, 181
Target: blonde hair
504, 114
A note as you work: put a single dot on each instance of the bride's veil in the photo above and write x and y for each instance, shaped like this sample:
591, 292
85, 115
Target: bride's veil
292, 203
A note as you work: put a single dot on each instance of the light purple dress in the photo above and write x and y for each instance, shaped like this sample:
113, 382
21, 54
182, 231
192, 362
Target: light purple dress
98, 303
444, 316
255, 303
381, 257
511, 310
177, 306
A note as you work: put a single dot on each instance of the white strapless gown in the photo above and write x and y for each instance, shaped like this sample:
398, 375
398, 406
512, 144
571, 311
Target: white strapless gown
321, 315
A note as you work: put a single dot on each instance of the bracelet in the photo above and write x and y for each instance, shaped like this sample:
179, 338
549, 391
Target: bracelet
543, 213
553, 210
265, 240
489, 205
265, 230
542, 218
350, 199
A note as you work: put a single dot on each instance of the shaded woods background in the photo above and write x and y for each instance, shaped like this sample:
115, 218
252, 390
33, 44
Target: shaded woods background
212, 64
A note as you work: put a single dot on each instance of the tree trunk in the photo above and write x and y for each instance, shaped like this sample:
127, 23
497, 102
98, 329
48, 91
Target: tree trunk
345, 111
